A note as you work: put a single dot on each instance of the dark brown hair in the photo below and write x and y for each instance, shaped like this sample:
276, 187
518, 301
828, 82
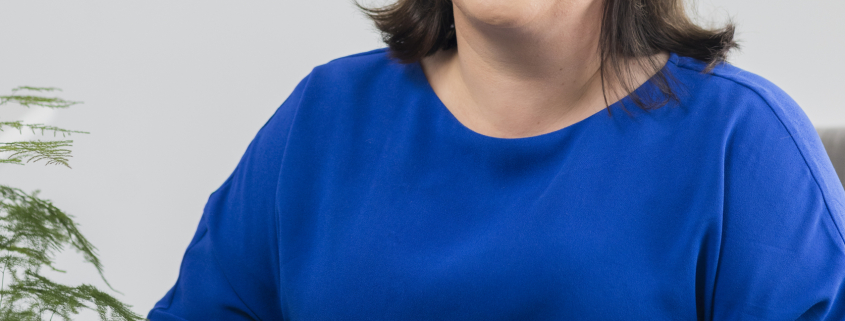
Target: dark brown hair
414, 29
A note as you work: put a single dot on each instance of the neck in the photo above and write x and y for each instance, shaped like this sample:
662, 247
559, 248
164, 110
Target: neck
519, 79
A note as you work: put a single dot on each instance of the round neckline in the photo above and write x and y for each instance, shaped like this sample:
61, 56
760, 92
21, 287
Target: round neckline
429, 90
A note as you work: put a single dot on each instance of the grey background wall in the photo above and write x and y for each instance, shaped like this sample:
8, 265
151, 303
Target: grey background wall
175, 90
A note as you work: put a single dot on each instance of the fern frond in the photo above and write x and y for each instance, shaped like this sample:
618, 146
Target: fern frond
35, 100
20, 125
30, 88
32, 232
36, 224
11, 160
55, 152
28, 100
32, 294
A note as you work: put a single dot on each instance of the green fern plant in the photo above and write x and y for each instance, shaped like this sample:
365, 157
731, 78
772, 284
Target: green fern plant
33, 231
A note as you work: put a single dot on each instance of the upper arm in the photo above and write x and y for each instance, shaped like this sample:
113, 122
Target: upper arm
230, 270
202, 291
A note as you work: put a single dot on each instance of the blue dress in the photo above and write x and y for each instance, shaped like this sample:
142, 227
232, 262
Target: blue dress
363, 198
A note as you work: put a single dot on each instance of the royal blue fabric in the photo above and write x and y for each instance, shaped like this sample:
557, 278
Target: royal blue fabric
363, 198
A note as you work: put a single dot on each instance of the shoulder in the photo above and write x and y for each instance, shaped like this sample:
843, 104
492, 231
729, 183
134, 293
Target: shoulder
356, 84
765, 133
742, 103
353, 67
736, 99
750, 92
746, 104
370, 55
333, 83
343, 78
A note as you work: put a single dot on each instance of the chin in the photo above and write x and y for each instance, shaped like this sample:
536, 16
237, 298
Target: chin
501, 13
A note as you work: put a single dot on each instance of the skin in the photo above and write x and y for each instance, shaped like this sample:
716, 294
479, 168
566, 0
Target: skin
523, 68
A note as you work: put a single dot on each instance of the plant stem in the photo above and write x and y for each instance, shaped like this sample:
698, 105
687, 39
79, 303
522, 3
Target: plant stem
2, 281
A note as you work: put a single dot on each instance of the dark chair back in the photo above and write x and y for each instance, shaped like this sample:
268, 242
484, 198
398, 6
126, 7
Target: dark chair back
833, 139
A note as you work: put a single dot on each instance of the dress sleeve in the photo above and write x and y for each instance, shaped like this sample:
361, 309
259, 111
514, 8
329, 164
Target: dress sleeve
230, 270
782, 253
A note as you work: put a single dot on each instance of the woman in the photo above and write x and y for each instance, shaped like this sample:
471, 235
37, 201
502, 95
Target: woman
467, 172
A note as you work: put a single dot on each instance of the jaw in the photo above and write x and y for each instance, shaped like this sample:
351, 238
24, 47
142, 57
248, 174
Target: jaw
501, 14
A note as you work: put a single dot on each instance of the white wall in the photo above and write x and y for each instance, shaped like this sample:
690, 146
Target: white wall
798, 45
175, 90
